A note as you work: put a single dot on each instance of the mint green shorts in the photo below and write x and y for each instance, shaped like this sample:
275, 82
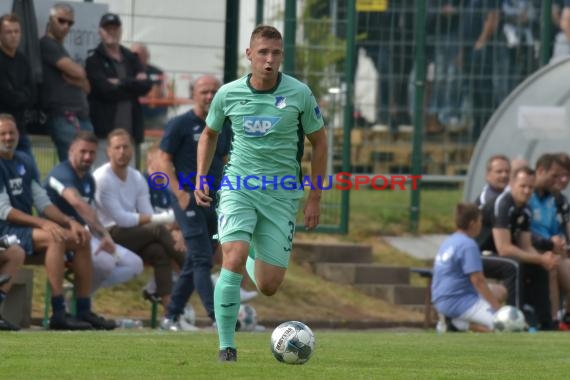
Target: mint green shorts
259, 219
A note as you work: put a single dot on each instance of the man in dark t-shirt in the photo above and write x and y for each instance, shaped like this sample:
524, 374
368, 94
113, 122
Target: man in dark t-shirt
178, 148
505, 239
54, 234
17, 90
496, 178
71, 187
65, 85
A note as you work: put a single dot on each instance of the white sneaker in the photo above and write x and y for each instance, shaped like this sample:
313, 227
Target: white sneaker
246, 295
441, 326
183, 325
169, 324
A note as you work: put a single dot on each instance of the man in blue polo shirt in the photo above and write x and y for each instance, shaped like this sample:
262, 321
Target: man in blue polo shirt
547, 234
55, 234
71, 187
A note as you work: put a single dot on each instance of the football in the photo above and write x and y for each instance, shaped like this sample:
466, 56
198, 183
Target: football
509, 319
292, 342
247, 318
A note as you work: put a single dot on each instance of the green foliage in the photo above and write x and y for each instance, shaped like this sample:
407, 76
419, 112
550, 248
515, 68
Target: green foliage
319, 57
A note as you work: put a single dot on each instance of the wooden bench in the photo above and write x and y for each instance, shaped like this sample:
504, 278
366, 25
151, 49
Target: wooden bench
38, 259
17, 307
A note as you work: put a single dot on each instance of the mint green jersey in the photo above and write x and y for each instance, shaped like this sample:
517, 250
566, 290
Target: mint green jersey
269, 128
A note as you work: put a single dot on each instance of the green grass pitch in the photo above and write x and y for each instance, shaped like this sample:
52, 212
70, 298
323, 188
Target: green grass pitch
343, 355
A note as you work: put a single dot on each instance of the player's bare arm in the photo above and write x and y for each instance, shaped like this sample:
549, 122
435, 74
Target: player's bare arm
312, 209
206, 150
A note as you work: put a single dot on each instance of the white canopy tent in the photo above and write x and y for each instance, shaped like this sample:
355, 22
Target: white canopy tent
534, 119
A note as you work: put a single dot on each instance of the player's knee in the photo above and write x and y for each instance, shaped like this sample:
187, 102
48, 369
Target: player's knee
267, 289
55, 245
234, 263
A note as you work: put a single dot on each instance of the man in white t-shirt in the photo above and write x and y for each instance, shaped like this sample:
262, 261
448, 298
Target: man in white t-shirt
123, 204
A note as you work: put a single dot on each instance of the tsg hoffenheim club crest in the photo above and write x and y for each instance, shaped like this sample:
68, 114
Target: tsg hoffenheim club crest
280, 102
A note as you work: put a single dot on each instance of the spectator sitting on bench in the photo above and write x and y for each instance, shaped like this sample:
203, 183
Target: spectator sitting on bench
123, 205
459, 288
71, 187
506, 233
161, 199
502, 269
563, 217
547, 234
55, 235
496, 178
11, 260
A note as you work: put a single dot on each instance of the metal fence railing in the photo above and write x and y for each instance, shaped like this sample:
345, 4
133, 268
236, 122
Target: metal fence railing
475, 54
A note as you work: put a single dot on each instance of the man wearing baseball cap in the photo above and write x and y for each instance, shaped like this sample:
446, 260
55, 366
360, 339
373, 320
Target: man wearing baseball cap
110, 19
118, 80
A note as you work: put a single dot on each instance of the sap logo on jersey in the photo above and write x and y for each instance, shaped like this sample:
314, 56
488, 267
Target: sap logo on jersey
259, 125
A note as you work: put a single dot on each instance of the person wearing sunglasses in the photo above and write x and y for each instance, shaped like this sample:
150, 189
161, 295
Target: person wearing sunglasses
65, 85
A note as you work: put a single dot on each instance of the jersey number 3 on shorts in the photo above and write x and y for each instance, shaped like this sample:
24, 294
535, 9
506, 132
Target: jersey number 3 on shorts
290, 236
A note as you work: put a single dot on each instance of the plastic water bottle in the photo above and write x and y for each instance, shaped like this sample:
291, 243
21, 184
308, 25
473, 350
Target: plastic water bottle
129, 324
68, 293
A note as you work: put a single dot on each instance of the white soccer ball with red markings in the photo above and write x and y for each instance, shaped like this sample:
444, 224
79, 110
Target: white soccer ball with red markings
292, 342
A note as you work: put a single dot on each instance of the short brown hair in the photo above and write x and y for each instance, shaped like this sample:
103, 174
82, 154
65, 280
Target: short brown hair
9, 17
495, 157
119, 132
547, 160
465, 213
265, 31
87, 136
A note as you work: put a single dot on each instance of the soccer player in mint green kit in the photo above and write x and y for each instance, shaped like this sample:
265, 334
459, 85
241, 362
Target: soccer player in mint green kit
271, 113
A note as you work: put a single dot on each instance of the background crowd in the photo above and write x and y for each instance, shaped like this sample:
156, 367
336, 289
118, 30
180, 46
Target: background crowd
93, 213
